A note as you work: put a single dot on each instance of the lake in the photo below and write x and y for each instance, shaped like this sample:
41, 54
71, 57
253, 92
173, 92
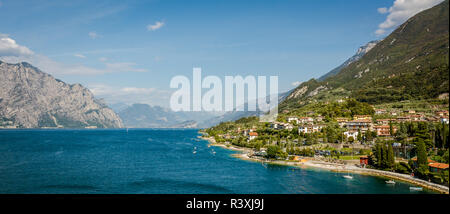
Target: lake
155, 161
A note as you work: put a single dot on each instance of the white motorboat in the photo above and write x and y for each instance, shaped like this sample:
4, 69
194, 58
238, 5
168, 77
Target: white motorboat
416, 188
390, 182
348, 176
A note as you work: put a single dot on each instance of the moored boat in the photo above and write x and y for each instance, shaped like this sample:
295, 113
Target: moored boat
390, 182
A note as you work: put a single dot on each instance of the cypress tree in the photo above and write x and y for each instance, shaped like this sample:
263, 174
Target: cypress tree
391, 159
385, 156
379, 155
422, 158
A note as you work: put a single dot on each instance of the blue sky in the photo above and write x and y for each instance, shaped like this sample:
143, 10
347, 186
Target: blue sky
116, 47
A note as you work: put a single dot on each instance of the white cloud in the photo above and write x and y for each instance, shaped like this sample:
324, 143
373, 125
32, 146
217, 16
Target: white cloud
401, 11
11, 52
123, 67
79, 56
155, 26
296, 83
50, 66
9, 47
382, 10
93, 35
131, 95
137, 90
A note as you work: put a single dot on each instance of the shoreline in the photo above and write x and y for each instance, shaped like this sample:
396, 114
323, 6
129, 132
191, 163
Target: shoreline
334, 167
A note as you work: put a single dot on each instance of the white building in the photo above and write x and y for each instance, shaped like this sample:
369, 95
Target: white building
310, 129
292, 119
349, 134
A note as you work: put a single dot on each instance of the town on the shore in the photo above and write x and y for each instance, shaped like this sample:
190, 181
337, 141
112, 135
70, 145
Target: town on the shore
405, 141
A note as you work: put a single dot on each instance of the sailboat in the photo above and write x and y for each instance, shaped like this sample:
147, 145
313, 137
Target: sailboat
348, 176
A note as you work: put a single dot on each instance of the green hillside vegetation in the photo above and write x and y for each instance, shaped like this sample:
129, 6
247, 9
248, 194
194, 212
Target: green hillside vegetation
410, 64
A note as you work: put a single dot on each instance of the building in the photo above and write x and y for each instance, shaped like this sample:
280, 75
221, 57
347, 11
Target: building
362, 117
410, 111
289, 127
353, 134
281, 126
384, 130
403, 119
277, 126
246, 132
385, 121
433, 119
442, 113
380, 111
364, 161
444, 120
306, 120
438, 167
319, 118
306, 129
252, 135
359, 125
416, 117
292, 119
341, 121
414, 159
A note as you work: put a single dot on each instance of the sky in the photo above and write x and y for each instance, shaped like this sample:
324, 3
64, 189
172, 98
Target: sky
128, 51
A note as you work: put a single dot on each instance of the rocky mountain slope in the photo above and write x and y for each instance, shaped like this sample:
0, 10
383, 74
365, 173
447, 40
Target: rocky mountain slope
360, 53
30, 98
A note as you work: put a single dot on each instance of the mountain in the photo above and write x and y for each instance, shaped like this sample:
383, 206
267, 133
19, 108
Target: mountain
146, 116
409, 64
30, 98
235, 115
360, 53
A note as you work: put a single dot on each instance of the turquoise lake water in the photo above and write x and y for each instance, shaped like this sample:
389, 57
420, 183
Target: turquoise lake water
154, 161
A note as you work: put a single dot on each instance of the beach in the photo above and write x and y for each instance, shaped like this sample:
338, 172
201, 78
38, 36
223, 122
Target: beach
335, 167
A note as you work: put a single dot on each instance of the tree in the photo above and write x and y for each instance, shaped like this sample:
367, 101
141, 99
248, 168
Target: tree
422, 158
359, 137
391, 129
276, 152
350, 139
391, 158
379, 155
385, 163
272, 151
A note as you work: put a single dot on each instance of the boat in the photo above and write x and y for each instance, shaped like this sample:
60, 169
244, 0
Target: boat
390, 182
415, 188
194, 152
348, 176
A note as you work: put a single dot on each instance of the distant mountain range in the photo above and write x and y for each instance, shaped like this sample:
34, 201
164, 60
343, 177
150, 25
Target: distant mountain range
30, 98
410, 63
146, 116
